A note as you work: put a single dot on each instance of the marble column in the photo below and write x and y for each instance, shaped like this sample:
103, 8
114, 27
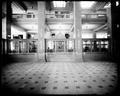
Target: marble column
78, 28
41, 30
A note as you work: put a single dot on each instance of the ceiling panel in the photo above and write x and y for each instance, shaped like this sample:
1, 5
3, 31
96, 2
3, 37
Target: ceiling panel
56, 25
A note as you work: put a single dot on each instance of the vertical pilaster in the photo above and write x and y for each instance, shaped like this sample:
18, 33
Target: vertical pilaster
108, 13
64, 46
41, 30
95, 43
78, 28
115, 31
55, 46
8, 24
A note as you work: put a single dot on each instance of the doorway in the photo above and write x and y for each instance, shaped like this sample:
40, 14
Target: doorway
60, 46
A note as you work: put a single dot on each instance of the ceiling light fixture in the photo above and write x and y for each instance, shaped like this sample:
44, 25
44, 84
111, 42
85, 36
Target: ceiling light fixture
87, 4
59, 3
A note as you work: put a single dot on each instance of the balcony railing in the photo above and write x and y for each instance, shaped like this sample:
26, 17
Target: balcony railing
94, 17
88, 17
65, 16
32, 16
24, 16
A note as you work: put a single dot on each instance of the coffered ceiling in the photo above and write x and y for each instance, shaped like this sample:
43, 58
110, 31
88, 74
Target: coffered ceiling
31, 7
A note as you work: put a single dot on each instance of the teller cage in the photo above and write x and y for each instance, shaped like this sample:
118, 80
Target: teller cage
60, 45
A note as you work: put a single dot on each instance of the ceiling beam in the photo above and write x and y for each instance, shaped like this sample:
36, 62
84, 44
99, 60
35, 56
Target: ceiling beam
92, 12
60, 30
63, 21
101, 27
94, 21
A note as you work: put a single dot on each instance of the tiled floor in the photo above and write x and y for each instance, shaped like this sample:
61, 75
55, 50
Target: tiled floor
61, 78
